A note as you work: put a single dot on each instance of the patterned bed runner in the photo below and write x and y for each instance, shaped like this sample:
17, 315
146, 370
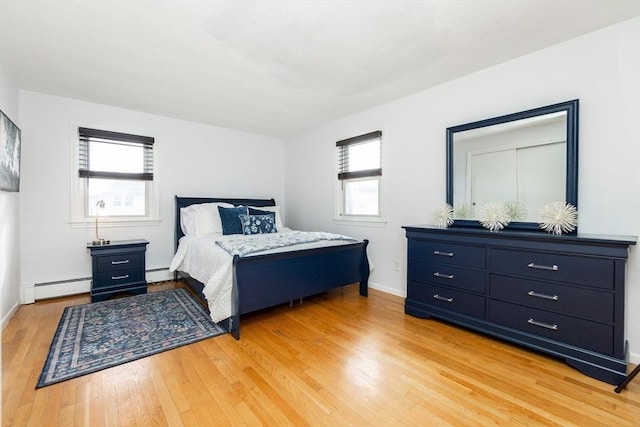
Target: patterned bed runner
246, 245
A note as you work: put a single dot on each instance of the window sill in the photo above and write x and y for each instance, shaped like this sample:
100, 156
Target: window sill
116, 222
360, 222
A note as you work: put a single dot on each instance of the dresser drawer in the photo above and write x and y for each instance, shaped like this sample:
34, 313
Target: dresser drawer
581, 302
448, 299
587, 271
123, 261
119, 277
444, 253
462, 278
581, 333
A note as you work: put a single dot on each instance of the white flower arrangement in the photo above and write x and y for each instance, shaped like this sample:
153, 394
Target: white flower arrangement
517, 211
558, 217
494, 216
463, 211
443, 215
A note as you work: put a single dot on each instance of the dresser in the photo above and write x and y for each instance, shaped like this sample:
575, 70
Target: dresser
118, 267
561, 295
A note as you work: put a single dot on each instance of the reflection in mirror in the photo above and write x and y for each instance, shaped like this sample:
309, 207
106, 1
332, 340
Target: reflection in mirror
524, 160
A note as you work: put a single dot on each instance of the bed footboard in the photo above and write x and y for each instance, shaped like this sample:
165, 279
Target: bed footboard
267, 280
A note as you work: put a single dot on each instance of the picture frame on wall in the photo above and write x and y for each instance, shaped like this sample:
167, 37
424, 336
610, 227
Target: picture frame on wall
10, 141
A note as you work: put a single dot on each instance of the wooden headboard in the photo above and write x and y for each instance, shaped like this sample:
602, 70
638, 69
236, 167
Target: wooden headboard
183, 202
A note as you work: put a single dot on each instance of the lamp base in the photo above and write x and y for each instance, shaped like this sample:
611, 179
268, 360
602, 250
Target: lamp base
101, 242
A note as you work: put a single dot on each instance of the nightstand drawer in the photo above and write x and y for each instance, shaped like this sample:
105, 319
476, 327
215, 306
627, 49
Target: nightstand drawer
581, 333
123, 261
119, 277
580, 270
448, 275
445, 253
573, 301
449, 299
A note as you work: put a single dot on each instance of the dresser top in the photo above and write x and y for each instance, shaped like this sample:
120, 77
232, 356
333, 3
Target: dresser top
528, 235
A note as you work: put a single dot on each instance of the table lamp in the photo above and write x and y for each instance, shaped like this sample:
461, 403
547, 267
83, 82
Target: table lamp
100, 211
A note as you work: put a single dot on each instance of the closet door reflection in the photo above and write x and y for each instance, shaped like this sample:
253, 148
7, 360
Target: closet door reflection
493, 178
541, 176
528, 175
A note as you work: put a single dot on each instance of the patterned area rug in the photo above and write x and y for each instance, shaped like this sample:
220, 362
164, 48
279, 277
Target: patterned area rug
92, 337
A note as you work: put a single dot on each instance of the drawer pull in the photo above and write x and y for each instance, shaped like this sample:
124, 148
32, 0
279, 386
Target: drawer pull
542, 325
438, 297
126, 276
126, 261
443, 253
543, 267
543, 296
444, 276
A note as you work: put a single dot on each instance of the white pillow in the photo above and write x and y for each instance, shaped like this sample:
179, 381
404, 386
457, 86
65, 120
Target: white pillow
208, 218
202, 218
188, 220
276, 209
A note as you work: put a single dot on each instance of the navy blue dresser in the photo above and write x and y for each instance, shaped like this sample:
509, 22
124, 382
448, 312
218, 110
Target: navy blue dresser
562, 295
118, 267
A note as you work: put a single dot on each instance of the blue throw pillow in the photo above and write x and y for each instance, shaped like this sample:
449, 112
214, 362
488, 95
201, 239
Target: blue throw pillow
253, 211
258, 224
230, 218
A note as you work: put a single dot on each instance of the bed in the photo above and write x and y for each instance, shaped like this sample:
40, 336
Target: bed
270, 278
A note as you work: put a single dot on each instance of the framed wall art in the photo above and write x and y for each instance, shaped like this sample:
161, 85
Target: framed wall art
10, 136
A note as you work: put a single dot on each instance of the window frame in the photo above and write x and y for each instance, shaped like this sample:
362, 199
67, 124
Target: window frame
343, 176
79, 217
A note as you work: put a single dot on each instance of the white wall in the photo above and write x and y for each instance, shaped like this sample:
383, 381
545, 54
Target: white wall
192, 160
601, 69
9, 218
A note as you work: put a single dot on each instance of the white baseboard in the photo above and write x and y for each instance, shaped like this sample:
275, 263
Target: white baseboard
30, 293
10, 314
388, 290
159, 275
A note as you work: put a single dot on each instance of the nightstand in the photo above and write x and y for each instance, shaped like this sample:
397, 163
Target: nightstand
118, 267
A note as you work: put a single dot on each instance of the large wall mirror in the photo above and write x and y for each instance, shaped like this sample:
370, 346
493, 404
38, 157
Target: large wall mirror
526, 159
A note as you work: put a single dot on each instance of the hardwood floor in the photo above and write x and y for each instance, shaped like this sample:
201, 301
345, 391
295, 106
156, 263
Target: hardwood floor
337, 359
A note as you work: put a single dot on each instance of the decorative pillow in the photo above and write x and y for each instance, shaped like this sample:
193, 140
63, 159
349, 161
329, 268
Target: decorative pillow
254, 211
258, 224
274, 209
230, 218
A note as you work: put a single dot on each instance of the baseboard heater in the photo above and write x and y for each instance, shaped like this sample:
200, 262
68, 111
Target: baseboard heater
60, 288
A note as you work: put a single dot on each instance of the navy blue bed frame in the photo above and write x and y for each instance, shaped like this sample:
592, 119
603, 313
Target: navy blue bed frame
263, 281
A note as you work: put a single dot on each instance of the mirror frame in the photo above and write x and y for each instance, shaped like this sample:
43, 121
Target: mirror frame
571, 108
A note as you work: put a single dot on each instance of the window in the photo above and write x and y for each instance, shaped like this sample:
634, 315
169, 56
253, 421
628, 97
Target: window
116, 168
359, 176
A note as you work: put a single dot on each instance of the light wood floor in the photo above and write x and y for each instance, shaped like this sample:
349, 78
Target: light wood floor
337, 359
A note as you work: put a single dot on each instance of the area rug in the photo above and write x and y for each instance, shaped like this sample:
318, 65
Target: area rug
92, 337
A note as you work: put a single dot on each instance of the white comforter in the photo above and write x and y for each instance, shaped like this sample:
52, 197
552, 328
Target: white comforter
207, 262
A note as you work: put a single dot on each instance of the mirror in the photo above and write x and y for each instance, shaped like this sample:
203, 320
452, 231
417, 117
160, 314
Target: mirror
525, 159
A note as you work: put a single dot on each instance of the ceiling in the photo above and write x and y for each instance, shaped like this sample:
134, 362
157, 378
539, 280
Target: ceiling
274, 67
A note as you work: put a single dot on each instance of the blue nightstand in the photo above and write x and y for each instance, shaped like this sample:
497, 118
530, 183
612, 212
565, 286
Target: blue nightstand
118, 267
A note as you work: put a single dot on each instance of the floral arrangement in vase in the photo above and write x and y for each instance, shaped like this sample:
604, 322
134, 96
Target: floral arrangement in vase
517, 210
558, 218
494, 216
443, 215
463, 211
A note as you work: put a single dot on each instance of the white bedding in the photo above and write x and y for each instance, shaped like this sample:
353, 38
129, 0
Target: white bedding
207, 262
